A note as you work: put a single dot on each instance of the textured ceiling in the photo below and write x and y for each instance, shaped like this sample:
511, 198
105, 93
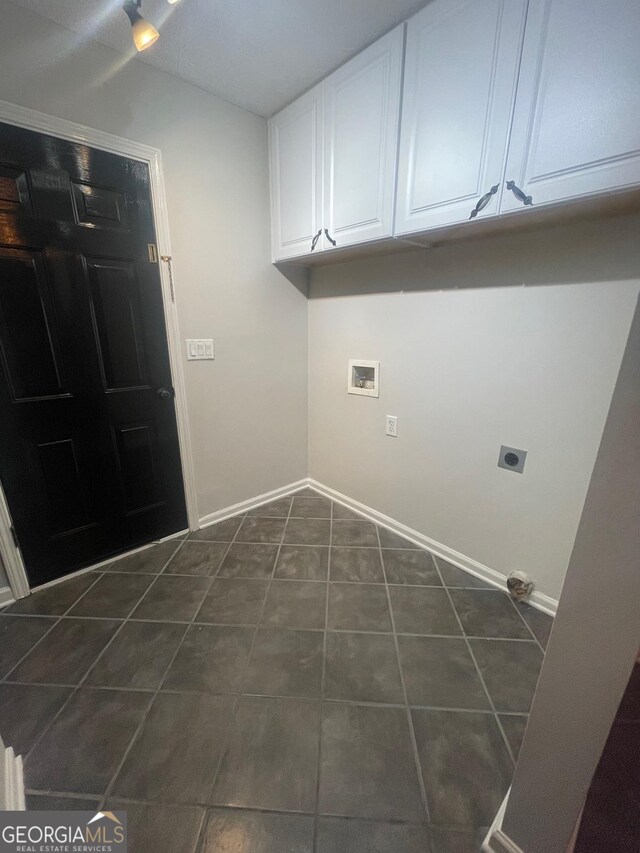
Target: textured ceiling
259, 54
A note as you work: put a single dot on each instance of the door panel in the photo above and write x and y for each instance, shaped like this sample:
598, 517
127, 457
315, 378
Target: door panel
576, 126
362, 106
295, 145
115, 303
27, 327
90, 460
460, 77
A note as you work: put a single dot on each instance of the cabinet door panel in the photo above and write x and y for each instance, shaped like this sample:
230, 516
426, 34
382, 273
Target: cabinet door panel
362, 103
295, 140
576, 127
460, 77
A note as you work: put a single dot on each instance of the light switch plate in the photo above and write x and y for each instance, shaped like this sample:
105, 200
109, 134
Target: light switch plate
200, 349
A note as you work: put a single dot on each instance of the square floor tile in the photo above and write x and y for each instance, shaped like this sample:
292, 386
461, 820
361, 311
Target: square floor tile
211, 659
272, 756
274, 509
344, 835
514, 727
358, 607
368, 768
285, 663
440, 672
55, 600
362, 668
175, 756
303, 563
465, 766
18, 634
82, 749
311, 508
343, 513
150, 561
389, 539
307, 531
249, 561
234, 601
71, 647
223, 531
150, 828
539, 623
138, 657
356, 565
261, 530
295, 604
360, 533
112, 596
423, 610
510, 671
197, 558
25, 711
410, 567
488, 613
257, 832
173, 598
456, 840
455, 577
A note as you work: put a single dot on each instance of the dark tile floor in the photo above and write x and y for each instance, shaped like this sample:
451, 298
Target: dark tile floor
293, 680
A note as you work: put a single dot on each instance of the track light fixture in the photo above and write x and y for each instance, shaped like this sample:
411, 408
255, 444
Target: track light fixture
144, 34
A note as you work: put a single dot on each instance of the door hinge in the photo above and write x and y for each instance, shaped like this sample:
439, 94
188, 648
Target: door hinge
153, 253
15, 536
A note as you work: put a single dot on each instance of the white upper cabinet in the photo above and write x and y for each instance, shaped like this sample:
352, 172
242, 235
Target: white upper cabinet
361, 116
461, 71
295, 143
576, 128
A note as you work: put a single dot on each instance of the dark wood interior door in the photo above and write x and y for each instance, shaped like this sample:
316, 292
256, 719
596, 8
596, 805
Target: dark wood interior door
89, 455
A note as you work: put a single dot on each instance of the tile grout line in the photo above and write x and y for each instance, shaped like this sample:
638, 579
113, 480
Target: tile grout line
412, 733
81, 683
323, 678
475, 663
188, 625
529, 629
241, 679
55, 619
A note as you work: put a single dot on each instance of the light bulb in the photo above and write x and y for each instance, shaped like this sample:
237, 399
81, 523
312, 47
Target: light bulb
144, 34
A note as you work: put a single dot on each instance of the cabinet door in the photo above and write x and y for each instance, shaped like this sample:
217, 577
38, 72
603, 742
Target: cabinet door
460, 77
295, 143
576, 127
362, 104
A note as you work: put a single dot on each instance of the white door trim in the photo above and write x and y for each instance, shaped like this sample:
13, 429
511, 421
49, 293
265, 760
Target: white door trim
35, 120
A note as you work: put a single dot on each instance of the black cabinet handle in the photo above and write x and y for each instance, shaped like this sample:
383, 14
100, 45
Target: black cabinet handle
315, 240
164, 393
330, 239
484, 201
525, 199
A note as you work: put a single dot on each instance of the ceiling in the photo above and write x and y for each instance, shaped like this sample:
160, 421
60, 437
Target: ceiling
259, 54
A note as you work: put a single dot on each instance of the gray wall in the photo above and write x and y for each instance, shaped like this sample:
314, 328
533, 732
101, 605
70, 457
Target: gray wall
216, 171
594, 640
477, 349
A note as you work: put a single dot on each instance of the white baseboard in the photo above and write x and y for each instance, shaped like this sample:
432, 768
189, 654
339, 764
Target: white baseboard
538, 599
252, 503
11, 781
6, 596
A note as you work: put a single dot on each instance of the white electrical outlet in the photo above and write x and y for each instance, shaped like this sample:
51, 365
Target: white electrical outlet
392, 426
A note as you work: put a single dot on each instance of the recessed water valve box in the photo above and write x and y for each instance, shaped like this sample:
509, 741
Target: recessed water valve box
363, 377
